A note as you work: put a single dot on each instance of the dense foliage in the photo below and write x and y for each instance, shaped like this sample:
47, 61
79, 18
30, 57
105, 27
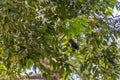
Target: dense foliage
36, 30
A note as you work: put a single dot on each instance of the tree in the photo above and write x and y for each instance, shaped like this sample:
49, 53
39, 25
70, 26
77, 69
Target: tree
37, 33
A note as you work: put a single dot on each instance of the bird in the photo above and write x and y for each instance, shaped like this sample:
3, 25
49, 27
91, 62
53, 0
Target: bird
73, 44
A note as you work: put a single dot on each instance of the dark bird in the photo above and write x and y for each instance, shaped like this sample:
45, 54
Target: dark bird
73, 44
